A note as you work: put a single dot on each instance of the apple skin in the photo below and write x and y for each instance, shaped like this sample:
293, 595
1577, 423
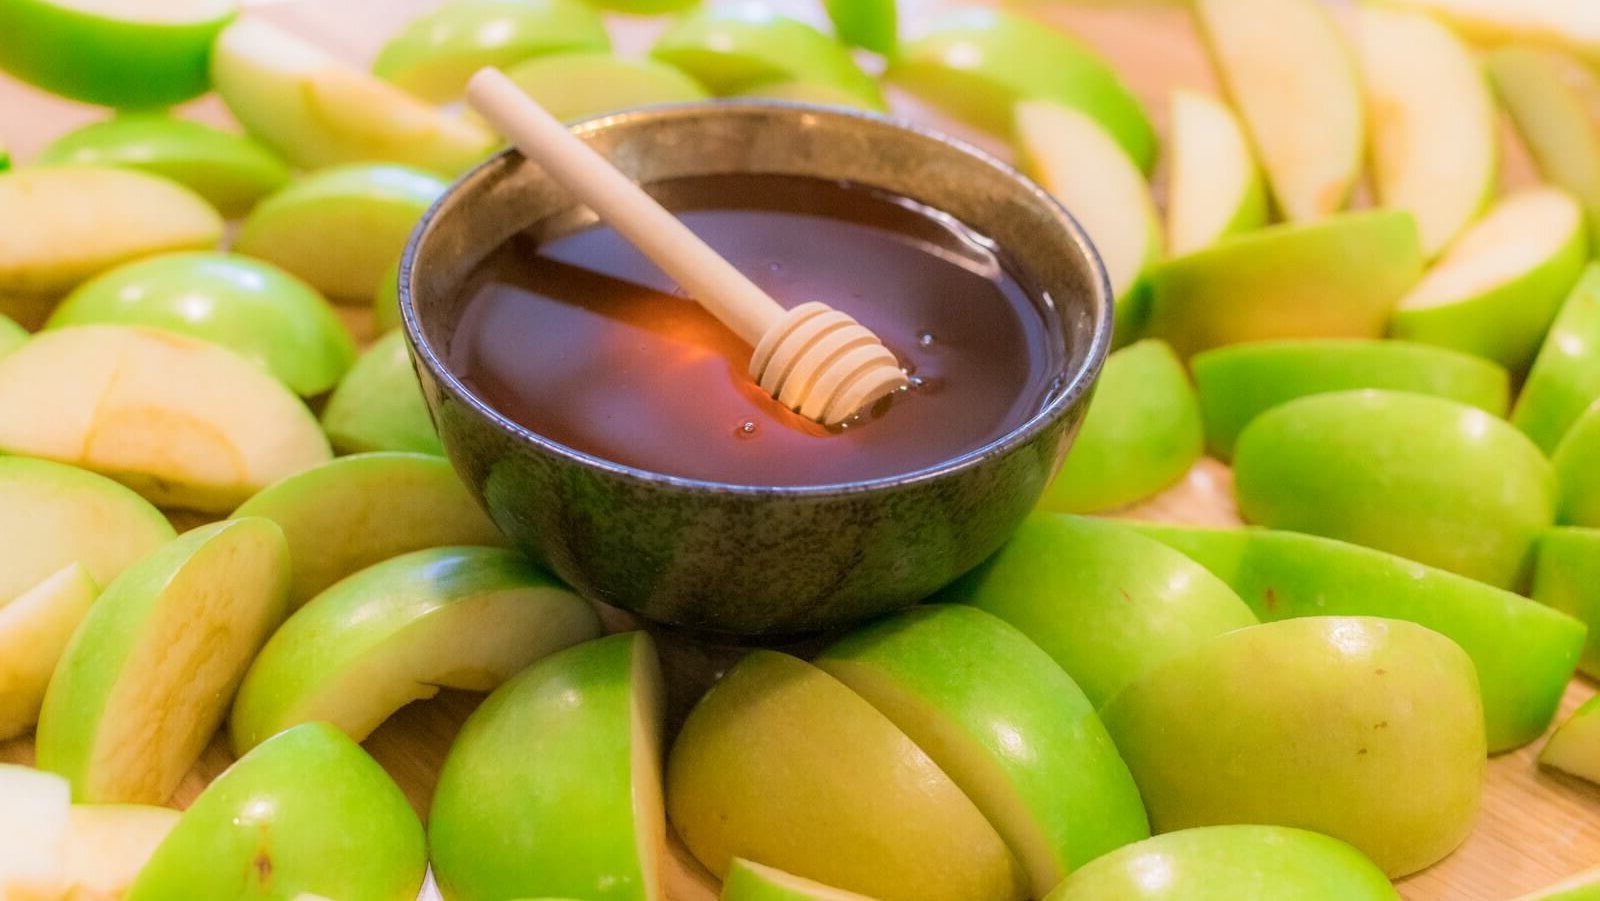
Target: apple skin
1369, 730
386, 302
435, 54
755, 773
1336, 278
730, 48
162, 645
62, 224
104, 58
34, 629
1104, 601
379, 505
592, 717
1575, 746
1203, 127
1579, 478
869, 24
1524, 651
307, 812
750, 881
341, 228
644, 7
976, 64
1403, 473
1237, 384
1566, 577
379, 405
1146, 435
399, 631
805, 92
1565, 378
12, 336
230, 171
573, 86
1582, 887
1007, 724
1231, 863
252, 308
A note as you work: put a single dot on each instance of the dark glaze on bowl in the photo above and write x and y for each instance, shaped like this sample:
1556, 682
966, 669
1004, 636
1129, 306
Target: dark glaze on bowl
742, 559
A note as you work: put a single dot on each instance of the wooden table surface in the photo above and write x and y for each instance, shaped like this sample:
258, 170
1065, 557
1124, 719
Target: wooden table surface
1535, 827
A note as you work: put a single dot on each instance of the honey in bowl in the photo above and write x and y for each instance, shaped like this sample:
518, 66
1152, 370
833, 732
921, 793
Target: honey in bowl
585, 342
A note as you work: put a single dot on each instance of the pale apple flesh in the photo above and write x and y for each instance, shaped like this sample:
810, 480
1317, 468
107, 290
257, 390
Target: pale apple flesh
750, 881
108, 844
34, 630
33, 831
1584, 886
1521, 232
1575, 746
1215, 189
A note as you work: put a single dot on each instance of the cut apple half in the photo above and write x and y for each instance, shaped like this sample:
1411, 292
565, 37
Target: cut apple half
166, 643
1215, 189
1575, 746
182, 421
1496, 290
1294, 81
1434, 127
34, 630
750, 881
33, 831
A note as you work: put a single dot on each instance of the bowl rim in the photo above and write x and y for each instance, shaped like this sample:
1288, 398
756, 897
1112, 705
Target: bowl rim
1078, 382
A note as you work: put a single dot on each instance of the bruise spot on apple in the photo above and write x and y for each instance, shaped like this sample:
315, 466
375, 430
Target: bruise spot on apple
263, 865
1272, 599
1125, 595
1381, 724
1380, 671
1361, 752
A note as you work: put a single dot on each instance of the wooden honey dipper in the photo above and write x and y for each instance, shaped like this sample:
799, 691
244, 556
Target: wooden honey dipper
814, 359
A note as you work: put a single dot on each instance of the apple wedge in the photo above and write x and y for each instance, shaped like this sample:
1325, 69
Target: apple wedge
1237, 384
1497, 288
352, 512
869, 24
1079, 162
1584, 886
1385, 710
307, 812
1433, 123
1231, 863
12, 336
755, 774
435, 54
1575, 746
1279, 60
592, 717
1566, 577
1214, 189
1579, 478
386, 302
1141, 434
1524, 651
749, 881
1402, 473
341, 228
1575, 26
804, 92
576, 86
34, 630
61, 224
379, 404
1011, 729
182, 421
33, 831
317, 111
1337, 278
1565, 378
167, 642
108, 844
401, 630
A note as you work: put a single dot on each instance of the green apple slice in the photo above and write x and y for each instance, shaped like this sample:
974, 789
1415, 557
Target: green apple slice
401, 630
977, 64
805, 92
1237, 384
1402, 473
108, 844
1576, 473
592, 717
1575, 746
113, 52
341, 228
1337, 278
379, 405
1524, 651
1435, 129
12, 336
182, 421
350, 513
1575, 26
386, 302
1584, 886
34, 629
252, 308
1080, 163
1106, 603
871, 24
576, 86
1279, 59
1141, 434
1566, 577
1554, 101
61, 224
1013, 731
1386, 710
1231, 863
1215, 189
167, 642
317, 111
749, 881
435, 54
1497, 288
53, 516
1565, 378
730, 48
230, 171
756, 773
307, 812
33, 830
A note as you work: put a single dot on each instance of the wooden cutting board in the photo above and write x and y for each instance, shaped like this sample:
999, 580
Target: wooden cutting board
1535, 828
